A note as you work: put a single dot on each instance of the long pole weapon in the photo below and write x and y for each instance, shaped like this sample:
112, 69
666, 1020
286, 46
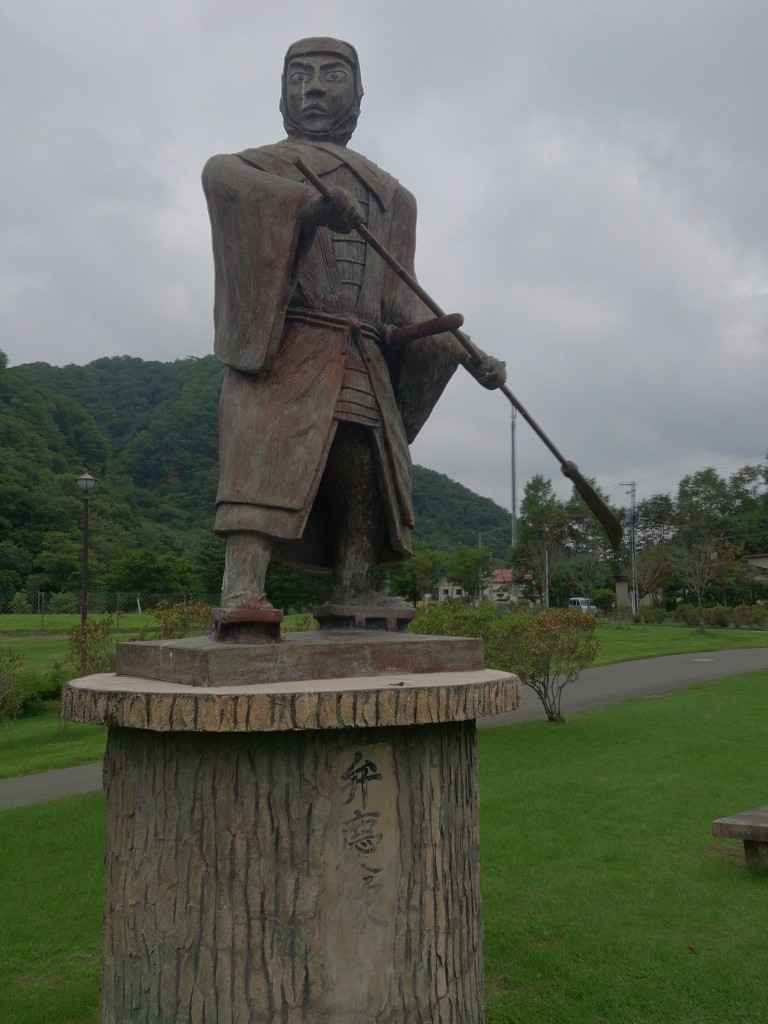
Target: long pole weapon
605, 515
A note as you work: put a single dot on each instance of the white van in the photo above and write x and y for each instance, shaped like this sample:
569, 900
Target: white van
581, 604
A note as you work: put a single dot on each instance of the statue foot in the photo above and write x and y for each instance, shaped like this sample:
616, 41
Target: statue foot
247, 618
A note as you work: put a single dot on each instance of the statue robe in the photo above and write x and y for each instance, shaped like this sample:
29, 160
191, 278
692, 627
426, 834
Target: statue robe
283, 328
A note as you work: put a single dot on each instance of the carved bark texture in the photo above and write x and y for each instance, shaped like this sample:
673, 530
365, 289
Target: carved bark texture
407, 700
325, 877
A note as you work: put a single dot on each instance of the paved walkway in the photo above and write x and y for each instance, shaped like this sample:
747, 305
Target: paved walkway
596, 688
613, 684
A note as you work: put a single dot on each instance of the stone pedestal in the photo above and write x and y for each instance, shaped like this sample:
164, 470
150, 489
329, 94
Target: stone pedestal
300, 851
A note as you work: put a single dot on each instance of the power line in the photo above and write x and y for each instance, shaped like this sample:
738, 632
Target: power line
746, 461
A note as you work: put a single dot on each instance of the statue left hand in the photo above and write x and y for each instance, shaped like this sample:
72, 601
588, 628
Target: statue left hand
490, 372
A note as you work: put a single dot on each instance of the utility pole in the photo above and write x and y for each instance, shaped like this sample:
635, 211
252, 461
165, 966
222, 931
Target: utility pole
86, 484
513, 425
632, 485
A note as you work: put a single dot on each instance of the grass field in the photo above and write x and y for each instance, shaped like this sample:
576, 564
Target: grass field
628, 643
43, 650
41, 743
51, 892
130, 622
606, 899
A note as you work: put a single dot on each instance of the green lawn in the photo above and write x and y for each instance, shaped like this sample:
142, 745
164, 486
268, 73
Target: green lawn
42, 650
40, 743
629, 643
51, 892
130, 622
606, 899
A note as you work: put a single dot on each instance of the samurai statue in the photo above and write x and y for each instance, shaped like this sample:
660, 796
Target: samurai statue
319, 403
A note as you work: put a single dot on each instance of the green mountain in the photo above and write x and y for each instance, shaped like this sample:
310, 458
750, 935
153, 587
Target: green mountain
148, 432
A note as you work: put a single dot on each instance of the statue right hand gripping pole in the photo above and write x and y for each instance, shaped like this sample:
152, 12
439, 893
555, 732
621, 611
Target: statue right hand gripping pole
605, 515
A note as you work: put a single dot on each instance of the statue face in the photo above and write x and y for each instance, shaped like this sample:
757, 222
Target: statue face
319, 92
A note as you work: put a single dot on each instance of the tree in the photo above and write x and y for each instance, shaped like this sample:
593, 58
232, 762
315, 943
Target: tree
727, 564
587, 572
696, 567
416, 577
653, 568
15, 563
542, 531
655, 521
294, 589
585, 535
703, 502
148, 572
59, 564
541, 561
469, 567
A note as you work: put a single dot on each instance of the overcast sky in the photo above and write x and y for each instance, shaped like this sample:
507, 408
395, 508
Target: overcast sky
591, 180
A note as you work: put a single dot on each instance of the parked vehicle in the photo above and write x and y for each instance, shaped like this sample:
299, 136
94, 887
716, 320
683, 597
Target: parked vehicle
581, 604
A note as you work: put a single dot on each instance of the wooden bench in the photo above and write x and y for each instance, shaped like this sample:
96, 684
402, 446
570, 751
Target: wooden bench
752, 827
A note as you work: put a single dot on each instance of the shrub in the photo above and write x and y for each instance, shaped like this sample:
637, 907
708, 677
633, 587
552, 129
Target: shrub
456, 619
548, 651
63, 604
718, 616
604, 599
91, 646
20, 605
688, 614
653, 616
11, 695
187, 618
741, 616
300, 624
749, 616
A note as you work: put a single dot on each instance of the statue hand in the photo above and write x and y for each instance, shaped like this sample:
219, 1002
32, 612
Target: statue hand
490, 372
341, 212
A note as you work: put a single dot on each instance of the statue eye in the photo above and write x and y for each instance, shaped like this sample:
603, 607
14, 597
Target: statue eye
299, 76
338, 75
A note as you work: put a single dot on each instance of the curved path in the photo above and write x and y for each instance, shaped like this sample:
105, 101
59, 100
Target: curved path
613, 684
597, 687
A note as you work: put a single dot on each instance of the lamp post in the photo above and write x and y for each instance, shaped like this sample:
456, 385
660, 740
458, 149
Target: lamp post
86, 484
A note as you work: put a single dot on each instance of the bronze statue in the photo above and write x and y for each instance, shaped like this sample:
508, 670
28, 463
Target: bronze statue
318, 404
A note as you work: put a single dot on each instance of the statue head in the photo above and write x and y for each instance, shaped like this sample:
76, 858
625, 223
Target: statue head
322, 89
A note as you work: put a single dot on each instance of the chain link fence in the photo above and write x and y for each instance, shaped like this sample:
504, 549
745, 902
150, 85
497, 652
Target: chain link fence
44, 605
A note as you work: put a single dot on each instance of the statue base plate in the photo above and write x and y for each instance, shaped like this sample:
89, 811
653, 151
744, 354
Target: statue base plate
387, 618
247, 625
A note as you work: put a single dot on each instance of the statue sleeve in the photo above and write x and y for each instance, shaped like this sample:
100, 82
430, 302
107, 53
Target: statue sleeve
258, 238
421, 369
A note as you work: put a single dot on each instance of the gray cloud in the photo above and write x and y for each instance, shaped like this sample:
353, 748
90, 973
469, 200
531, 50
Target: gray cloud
589, 183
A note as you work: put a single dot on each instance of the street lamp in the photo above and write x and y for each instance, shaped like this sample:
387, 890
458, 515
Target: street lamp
86, 483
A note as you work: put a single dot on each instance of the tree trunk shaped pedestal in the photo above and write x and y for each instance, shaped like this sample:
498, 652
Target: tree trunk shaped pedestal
292, 830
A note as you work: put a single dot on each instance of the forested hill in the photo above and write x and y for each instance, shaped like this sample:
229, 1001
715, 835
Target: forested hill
148, 432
